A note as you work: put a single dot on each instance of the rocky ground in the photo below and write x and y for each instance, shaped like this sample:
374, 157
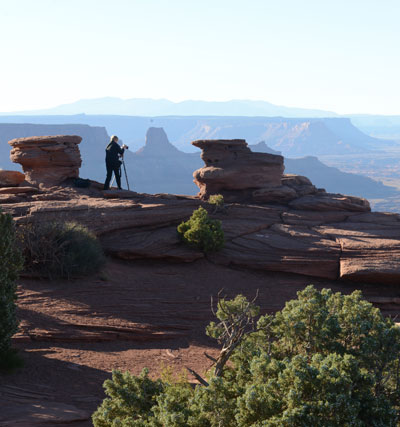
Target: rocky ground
133, 314
151, 302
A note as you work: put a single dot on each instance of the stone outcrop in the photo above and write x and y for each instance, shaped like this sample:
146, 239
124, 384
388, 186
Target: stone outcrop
288, 226
233, 170
47, 160
318, 239
241, 175
11, 178
157, 144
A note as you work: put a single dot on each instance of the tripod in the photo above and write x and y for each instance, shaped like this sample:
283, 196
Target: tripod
120, 174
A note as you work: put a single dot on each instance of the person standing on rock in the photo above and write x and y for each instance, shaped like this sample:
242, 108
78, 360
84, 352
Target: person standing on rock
113, 163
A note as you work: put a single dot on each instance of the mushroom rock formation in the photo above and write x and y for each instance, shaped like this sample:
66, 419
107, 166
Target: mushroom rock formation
234, 171
11, 178
241, 175
47, 160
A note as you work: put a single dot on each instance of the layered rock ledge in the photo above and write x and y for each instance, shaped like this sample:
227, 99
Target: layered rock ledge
47, 160
332, 244
312, 233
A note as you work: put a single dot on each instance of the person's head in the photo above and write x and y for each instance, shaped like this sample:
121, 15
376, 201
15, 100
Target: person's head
114, 138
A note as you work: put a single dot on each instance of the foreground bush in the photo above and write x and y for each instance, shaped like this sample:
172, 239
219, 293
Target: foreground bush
10, 266
325, 360
202, 232
60, 249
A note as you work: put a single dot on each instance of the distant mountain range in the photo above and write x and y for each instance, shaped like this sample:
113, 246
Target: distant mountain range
294, 137
375, 125
164, 107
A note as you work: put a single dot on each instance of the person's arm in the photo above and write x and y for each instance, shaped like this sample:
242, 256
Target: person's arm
120, 150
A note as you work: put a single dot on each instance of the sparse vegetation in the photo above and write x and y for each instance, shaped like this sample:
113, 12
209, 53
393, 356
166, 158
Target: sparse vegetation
202, 232
10, 266
218, 201
325, 359
60, 249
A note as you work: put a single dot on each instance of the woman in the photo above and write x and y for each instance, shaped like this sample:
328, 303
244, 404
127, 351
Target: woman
113, 163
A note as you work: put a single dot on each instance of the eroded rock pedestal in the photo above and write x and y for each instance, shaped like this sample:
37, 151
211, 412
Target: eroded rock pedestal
233, 170
243, 176
47, 160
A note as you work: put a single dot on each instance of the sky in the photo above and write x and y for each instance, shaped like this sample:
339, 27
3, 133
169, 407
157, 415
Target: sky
336, 55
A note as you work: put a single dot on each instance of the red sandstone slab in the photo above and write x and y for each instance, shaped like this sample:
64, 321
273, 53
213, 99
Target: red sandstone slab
17, 190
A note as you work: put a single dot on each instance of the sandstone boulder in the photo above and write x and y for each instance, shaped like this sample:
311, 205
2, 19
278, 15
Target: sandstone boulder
47, 160
11, 178
18, 190
234, 171
300, 184
280, 194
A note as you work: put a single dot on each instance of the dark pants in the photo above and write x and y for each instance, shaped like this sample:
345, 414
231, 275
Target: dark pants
117, 172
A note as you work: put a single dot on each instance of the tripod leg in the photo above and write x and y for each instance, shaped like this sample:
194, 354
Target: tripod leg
126, 176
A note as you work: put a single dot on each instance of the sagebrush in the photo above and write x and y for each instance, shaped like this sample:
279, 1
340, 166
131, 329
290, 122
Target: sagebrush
202, 232
10, 265
60, 249
326, 359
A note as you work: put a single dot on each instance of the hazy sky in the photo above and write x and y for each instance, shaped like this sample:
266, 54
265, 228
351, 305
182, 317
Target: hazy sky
339, 55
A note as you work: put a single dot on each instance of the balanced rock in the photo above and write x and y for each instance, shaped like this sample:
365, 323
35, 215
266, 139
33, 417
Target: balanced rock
11, 178
47, 160
234, 171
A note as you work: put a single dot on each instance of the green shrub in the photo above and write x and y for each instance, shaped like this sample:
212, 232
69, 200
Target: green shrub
326, 359
201, 232
217, 200
10, 266
60, 249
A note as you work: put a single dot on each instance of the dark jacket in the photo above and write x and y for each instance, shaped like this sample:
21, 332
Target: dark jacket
113, 151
